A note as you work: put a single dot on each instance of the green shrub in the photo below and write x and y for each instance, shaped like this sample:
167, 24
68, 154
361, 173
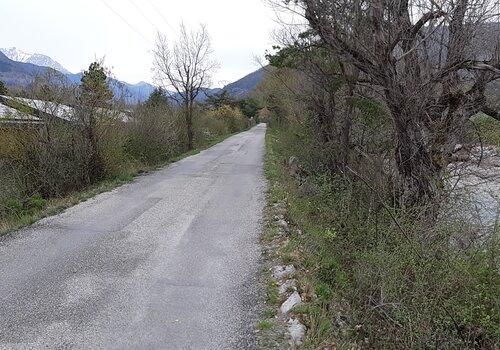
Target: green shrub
212, 123
54, 162
14, 206
232, 118
18, 208
207, 127
36, 202
489, 129
155, 132
323, 291
408, 285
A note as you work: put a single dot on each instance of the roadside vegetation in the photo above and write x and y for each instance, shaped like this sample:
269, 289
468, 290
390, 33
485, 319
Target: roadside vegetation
370, 282
83, 140
361, 152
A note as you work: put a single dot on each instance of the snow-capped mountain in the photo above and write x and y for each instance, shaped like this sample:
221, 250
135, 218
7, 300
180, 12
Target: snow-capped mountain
18, 69
16, 72
33, 58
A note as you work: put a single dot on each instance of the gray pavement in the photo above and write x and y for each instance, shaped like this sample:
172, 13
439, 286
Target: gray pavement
169, 261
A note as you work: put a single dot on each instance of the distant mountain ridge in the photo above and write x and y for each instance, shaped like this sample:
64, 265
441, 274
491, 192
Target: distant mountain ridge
242, 87
18, 73
33, 58
21, 71
14, 73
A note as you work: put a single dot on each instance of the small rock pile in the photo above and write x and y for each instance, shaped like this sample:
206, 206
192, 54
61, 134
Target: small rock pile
284, 275
287, 286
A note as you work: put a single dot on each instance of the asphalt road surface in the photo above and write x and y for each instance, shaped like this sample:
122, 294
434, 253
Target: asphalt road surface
169, 261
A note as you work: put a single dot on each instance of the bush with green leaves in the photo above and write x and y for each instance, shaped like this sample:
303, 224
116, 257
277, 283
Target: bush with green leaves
155, 132
409, 284
223, 120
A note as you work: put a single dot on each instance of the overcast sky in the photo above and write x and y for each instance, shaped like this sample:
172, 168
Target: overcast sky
74, 32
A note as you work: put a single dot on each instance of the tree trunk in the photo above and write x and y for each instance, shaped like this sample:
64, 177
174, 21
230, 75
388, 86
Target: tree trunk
95, 166
345, 136
189, 126
419, 166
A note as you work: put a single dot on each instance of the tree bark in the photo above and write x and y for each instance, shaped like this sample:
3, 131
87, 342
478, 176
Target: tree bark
189, 126
419, 163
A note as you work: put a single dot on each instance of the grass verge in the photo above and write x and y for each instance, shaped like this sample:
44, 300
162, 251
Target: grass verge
289, 248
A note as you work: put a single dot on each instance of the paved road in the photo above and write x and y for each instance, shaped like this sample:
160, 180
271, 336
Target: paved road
169, 261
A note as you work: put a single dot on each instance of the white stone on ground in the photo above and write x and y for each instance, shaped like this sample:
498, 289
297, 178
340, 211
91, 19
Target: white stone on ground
280, 272
297, 331
282, 223
292, 301
286, 286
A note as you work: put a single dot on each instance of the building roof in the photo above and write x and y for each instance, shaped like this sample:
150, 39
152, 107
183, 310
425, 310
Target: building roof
12, 115
60, 111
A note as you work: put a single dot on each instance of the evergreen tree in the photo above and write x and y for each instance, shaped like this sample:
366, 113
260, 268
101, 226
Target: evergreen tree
95, 98
249, 107
95, 90
221, 99
158, 98
3, 88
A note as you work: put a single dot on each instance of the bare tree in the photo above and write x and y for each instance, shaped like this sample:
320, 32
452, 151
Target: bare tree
432, 62
185, 67
324, 89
